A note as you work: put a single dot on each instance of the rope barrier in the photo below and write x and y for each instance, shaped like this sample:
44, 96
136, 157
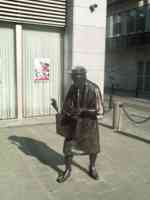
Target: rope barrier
133, 120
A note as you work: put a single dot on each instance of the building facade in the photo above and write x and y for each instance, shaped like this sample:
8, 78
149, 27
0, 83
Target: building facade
40, 42
128, 47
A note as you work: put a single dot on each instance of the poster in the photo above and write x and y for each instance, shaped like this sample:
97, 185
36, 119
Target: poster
41, 69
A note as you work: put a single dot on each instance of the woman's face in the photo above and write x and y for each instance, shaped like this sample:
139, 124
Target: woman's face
79, 80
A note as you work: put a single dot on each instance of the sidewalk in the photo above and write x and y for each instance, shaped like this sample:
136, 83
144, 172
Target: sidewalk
31, 157
138, 110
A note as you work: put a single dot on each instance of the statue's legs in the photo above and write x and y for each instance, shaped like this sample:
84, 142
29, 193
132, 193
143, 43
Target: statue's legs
68, 157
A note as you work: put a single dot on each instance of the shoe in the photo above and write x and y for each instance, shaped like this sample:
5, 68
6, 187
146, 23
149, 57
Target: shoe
93, 173
64, 176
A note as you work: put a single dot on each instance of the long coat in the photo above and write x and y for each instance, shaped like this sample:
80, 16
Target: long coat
84, 130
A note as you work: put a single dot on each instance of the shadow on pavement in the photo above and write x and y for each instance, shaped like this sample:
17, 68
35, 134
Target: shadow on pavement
42, 152
39, 150
134, 136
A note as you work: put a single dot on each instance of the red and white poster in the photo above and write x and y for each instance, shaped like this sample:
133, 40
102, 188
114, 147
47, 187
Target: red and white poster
41, 69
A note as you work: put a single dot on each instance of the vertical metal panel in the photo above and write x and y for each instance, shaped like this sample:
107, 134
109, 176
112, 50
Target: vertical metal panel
7, 73
39, 44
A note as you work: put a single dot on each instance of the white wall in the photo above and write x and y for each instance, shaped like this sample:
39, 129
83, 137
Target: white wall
88, 38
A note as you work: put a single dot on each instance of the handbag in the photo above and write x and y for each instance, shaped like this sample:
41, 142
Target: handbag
62, 121
62, 125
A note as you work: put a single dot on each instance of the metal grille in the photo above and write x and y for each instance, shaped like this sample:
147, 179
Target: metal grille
44, 12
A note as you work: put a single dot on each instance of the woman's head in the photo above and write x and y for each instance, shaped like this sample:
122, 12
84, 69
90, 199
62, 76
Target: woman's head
79, 76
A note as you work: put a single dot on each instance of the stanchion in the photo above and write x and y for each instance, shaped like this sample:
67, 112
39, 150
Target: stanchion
116, 115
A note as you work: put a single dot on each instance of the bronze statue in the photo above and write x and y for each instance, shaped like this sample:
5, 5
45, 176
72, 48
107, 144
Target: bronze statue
81, 107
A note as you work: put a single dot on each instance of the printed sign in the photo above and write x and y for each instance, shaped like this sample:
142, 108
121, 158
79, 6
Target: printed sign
41, 69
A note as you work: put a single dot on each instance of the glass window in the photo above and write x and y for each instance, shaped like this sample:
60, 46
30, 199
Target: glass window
107, 27
140, 75
124, 23
143, 76
131, 21
148, 68
147, 77
110, 26
140, 68
140, 19
117, 25
147, 20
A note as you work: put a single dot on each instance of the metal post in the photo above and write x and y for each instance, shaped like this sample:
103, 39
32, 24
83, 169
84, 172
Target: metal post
116, 115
